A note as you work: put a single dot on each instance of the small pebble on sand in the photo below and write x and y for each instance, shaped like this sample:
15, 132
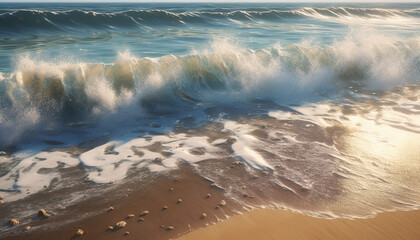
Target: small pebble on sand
130, 215
171, 189
27, 228
140, 220
169, 228
1, 202
165, 207
79, 232
222, 203
43, 213
144, 213
13, 222
179, 201
110, 228
110, 208
111, 182
120, 224
208, 195
126, 233
62, 208
203, 215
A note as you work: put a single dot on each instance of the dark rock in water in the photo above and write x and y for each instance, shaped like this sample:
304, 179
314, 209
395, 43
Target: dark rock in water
43, 213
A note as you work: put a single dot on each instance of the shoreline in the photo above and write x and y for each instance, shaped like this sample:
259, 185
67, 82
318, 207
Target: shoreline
284, 224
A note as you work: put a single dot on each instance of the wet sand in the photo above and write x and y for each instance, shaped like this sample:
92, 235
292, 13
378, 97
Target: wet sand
175, 203
281, 224
169, 218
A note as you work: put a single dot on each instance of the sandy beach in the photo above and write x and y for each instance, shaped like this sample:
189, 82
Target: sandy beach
186, 206
281, 224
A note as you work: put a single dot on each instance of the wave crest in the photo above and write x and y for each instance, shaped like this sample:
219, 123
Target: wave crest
34, 20
224, 73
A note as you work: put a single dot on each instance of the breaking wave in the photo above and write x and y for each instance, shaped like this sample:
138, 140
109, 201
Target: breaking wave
41, 91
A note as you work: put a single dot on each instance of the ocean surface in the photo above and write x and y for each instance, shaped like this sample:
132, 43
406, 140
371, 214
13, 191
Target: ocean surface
324, 98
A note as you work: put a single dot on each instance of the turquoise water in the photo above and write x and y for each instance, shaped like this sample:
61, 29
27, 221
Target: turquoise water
97, 32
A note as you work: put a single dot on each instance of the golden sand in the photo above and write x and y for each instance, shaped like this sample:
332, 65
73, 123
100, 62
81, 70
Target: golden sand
280, 224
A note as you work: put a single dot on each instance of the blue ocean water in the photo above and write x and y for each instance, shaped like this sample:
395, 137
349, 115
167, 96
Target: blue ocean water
97, 32
326, 96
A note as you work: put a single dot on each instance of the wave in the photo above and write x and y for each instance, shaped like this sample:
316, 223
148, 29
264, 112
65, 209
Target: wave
40, 91
36, 20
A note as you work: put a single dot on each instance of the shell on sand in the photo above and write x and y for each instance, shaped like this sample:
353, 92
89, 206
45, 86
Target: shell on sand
13, 222
120, 224
79, 232
43, 213
144, 213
